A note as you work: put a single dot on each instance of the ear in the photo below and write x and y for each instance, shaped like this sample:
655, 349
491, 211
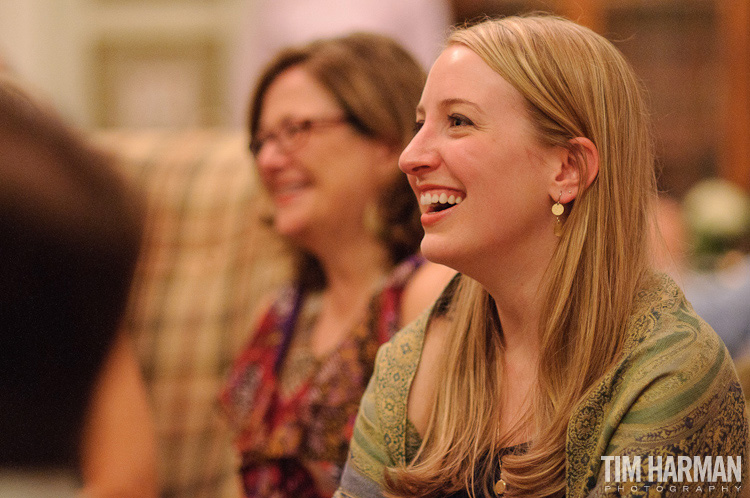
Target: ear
577, 169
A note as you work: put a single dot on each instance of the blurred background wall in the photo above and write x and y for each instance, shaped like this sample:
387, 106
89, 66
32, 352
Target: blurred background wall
132, 63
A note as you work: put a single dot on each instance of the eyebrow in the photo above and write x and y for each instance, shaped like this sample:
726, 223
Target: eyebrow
450, 102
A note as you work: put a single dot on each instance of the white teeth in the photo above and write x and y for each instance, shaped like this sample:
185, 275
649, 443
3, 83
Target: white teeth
427, 199
288, 187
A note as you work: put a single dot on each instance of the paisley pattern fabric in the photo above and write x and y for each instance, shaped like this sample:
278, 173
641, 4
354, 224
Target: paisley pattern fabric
294, 423
673, 393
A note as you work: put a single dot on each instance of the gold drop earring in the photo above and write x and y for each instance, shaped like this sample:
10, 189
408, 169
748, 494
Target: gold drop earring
500, 485
558, 209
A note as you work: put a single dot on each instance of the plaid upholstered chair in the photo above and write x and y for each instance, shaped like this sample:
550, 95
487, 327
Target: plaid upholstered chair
205, 263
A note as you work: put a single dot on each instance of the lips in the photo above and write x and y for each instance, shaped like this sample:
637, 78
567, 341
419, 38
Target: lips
437, 202
283, 192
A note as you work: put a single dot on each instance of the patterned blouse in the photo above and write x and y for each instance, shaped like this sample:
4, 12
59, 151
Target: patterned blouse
294, 413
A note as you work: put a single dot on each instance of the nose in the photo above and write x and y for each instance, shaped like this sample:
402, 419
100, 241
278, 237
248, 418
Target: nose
419, 156
270, 158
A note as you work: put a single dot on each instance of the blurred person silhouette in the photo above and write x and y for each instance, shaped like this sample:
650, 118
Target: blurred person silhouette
701, 245
74, 411
420, 26
327, 123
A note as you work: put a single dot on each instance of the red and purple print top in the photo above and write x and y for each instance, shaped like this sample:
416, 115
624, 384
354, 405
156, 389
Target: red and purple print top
294, 414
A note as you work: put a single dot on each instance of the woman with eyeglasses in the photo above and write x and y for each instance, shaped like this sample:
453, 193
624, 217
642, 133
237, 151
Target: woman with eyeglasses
327, 124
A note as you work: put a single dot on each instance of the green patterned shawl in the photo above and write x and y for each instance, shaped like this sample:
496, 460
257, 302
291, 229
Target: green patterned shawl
674, 393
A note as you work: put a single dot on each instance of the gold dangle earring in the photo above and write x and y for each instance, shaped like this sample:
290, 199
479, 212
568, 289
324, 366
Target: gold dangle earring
500, 485
558, 209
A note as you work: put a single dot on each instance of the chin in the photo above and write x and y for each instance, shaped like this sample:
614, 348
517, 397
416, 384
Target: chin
439, 252
289, 228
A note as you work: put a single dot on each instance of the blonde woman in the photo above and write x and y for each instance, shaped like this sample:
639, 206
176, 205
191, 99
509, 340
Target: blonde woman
558, 347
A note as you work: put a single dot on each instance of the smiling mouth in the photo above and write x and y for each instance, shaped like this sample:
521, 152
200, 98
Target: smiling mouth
439, 202
288, 188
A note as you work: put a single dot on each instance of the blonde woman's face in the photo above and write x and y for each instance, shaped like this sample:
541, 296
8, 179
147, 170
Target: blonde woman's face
481, 177
319, 172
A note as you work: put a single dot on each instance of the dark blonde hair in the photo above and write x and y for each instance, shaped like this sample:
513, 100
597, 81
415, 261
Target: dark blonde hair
377, 84
575, 84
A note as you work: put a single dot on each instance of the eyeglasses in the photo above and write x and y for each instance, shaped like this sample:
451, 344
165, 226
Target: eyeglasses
292, 134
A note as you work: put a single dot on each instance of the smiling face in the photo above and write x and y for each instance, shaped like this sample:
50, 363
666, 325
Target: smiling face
322, 186
481, 175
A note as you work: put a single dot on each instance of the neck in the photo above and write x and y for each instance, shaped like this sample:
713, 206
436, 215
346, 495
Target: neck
519, 308
353, 269
516, 282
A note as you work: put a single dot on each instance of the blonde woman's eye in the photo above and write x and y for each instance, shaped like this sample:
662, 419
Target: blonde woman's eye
418, 126
459, 120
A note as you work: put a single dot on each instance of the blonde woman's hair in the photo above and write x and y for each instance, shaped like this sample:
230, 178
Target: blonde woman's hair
576, 84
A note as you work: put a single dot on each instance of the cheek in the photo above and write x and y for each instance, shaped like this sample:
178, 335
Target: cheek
263, 178
346, 186
352, 170
505, 175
